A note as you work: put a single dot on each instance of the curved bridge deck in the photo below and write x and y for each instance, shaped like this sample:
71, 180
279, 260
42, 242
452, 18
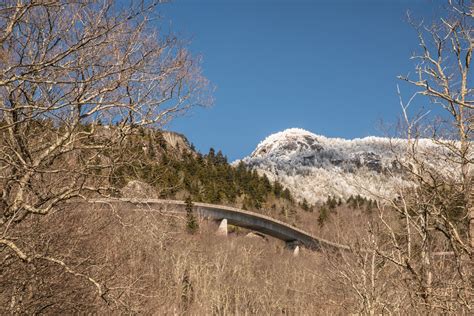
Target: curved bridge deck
254, 221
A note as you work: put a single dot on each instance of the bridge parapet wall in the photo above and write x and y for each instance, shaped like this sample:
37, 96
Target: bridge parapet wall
237, 217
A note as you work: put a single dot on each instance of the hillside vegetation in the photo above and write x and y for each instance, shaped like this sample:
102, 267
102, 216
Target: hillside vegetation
145, 262
168, 163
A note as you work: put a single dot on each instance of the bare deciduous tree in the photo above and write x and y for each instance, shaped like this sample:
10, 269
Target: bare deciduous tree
76, 79
444, 74
430, 240
424, 238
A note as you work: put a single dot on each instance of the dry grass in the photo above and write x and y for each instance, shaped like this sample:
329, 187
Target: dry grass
150, 265
147, 263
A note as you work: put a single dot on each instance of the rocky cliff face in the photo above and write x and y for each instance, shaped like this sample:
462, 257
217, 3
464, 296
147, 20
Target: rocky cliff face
177, 141
159, 142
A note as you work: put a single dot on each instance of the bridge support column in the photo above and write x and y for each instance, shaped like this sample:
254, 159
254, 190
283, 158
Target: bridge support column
222, 230
293, 246
296, 251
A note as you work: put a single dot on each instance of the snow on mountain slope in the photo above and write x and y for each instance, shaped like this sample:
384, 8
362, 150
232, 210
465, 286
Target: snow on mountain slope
315, 167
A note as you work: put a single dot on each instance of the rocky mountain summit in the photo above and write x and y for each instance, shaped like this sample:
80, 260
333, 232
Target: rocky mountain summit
315, 167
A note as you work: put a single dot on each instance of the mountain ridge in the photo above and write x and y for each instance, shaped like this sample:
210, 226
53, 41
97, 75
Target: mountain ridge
315, 167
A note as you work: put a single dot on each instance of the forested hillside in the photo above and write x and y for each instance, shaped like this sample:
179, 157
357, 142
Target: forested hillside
167, 161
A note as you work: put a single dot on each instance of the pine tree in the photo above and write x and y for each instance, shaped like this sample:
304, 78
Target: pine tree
287, 195
192, 224
266, 184
211, 157
331, 202
323, 216
220, 158
277, 189
305, 206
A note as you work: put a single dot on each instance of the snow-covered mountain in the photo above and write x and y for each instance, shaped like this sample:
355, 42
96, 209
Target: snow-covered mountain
315, 167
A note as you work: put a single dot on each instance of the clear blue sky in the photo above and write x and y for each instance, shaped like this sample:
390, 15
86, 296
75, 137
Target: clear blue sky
326, 66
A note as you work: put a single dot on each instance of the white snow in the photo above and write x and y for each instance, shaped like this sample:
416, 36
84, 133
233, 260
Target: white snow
315, 167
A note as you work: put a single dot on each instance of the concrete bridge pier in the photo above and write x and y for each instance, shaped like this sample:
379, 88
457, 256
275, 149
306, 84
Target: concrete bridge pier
293, 246
222, 230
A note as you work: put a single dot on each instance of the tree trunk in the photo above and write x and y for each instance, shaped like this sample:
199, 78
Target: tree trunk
471, 215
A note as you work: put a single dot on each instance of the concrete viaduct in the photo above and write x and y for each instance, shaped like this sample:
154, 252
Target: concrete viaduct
292, 236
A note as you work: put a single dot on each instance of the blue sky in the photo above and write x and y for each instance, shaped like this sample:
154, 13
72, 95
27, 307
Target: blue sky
326, 66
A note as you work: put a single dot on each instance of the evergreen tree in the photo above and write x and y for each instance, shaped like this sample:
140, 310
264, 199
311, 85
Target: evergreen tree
192, 224
287, 195
211, 156
323, 215
331, 203
266, 184
277, 189
305, 206
220, 158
